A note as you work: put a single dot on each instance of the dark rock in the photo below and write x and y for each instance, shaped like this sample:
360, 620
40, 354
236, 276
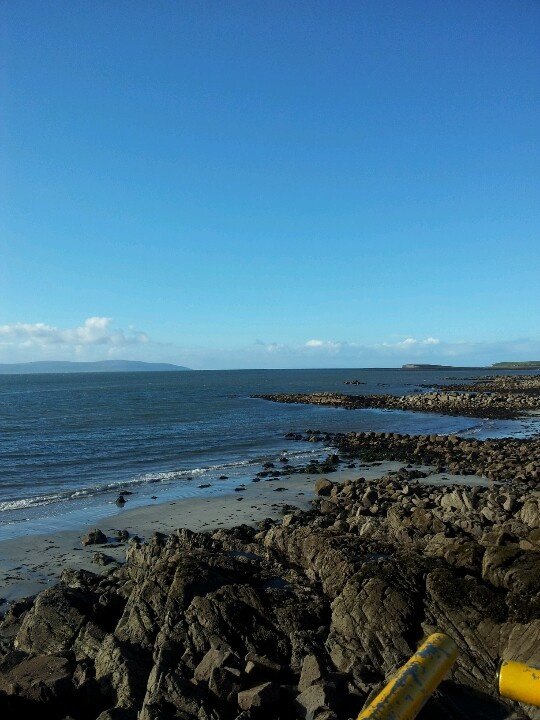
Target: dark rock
315, 700
323, 486
40, 679
94, 537
261, 666
260, 696
312, 672
54, 621
214, 658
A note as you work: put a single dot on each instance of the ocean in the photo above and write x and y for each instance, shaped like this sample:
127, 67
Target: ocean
69, 443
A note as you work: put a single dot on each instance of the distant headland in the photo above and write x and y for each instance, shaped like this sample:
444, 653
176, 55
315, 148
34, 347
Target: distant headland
527, 365
64, 366
420, 366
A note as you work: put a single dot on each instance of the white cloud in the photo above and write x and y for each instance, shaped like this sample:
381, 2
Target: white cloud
317, 352
97, 338
95, 332
324, 344
411, 342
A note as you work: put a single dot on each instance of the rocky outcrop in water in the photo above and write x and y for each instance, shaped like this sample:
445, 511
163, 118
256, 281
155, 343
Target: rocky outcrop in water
497, 397
300, 618
523, 384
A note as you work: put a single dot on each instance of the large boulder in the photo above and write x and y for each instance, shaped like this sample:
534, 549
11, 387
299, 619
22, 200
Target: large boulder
323, 486
54, 621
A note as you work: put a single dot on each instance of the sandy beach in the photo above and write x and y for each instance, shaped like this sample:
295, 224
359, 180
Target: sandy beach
30, 564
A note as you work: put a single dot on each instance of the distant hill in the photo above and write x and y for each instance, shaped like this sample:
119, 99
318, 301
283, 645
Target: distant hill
64, 366
518, 365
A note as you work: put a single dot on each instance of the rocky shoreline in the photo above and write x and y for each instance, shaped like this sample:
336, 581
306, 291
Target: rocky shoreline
508, 459
302, 617
499, 397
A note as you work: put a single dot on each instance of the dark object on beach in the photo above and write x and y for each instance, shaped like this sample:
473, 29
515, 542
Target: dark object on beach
223, 477
122, 535
154, 497
240, 489
95, 537
354, 382
120, 500
205, 485
279, 489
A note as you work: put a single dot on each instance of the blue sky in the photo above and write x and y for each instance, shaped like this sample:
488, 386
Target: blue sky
270, 184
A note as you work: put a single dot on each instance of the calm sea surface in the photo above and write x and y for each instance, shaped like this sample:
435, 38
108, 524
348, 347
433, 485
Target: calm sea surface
68, 443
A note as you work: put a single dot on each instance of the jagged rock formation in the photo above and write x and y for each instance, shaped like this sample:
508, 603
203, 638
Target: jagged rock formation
300, 618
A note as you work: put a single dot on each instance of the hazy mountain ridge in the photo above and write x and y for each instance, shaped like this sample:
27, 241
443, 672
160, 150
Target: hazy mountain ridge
66, 366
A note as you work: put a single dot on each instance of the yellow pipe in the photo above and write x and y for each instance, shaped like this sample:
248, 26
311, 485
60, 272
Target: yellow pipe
518, 681
404, 696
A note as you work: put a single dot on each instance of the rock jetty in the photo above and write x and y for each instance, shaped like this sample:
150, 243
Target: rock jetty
446, 402
304, 617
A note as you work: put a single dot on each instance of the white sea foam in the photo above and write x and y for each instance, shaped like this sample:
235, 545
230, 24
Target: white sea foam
145, 479
29, 502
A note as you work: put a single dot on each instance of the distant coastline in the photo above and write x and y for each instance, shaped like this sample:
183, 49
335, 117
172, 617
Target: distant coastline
61, 366
526, 365
529, 365
108, 366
